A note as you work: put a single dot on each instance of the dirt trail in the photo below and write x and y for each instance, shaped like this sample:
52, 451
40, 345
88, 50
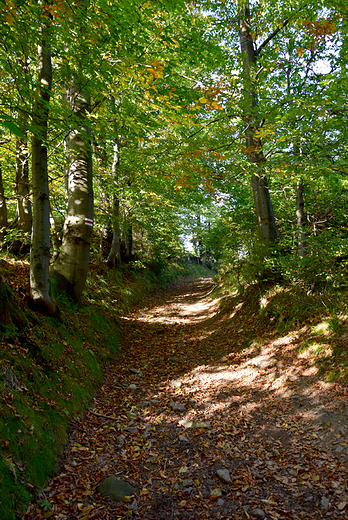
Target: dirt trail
180, 406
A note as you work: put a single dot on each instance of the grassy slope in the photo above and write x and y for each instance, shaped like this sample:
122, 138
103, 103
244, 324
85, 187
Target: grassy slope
49, 373
266, 312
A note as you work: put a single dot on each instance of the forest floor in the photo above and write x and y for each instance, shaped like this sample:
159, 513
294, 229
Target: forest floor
202, 427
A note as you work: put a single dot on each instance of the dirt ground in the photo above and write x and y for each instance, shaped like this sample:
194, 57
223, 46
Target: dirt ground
183, 403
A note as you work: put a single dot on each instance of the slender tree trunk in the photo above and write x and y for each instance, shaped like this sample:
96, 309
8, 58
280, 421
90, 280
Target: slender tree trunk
128, 240
40, 241
55, 238
3, 208
114, 257
301, 219
71, 267
24, 211
262, 200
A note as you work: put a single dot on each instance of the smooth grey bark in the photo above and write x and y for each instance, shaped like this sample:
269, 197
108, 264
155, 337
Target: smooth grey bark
71, 267
263, 205
55, 238
301, 219
114, 256
40, 241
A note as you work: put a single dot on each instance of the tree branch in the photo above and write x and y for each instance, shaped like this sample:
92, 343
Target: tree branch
271, 36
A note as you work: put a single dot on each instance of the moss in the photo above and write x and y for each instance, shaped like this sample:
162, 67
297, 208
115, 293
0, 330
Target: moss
50, 373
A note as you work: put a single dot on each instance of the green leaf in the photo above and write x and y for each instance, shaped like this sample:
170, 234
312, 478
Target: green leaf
13, 128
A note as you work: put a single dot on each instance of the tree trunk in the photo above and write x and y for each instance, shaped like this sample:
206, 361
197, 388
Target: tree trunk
262, 200
24, 212
71, 267
40, 241
114, 257
301, 219
12, 318
128, 241
3, 208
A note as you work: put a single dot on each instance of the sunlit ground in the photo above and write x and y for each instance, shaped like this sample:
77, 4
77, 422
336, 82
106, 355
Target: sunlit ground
267, 417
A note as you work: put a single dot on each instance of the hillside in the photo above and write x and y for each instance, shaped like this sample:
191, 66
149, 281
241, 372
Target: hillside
50, 371
217, 407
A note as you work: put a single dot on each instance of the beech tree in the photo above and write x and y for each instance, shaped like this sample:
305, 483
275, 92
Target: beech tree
40, 240
251, 118
71, 266
210, 99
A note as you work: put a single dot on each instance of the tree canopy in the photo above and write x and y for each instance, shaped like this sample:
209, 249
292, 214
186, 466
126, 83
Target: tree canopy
197, 115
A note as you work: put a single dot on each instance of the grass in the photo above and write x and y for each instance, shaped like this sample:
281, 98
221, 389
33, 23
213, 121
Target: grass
50, 373
274, 310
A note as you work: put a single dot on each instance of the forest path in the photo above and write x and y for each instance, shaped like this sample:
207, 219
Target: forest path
202, 430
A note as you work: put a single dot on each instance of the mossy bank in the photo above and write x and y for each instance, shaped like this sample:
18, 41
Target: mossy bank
50, 371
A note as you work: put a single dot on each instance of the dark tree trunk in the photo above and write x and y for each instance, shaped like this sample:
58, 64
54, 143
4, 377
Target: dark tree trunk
3, 208
301, 219
262, 200
12, 319
40, 243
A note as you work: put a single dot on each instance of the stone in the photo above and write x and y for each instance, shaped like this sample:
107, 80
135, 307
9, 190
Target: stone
193, 424
131, 429
175, 384
143, 404
224, 475
121, 440
115, 488
258, 513
136, 371
187, 482
339, 449
325, 502
132, 387
182, 438
177, 407
134, 505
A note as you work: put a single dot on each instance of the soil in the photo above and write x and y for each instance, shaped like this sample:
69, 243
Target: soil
262, 413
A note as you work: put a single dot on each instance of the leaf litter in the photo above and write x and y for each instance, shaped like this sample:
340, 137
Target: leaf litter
257, 434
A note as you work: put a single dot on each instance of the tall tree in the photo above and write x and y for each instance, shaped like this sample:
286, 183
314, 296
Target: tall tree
3, 207
24, 210
114, 256
71, 266
263, 205
40, 241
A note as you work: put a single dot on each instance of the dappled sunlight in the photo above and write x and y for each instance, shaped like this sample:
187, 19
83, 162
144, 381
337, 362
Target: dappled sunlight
203, 387
188, 308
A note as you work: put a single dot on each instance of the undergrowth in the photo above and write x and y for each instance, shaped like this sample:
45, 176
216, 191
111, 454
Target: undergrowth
50, 372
